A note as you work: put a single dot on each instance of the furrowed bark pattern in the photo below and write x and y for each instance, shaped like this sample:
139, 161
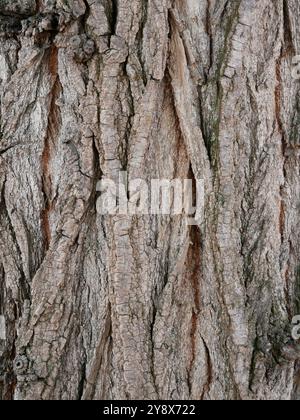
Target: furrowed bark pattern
145, 307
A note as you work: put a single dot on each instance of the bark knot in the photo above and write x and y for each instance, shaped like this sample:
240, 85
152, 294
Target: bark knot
21, 365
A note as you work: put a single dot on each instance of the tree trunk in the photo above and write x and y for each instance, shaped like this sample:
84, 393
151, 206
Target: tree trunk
148, 307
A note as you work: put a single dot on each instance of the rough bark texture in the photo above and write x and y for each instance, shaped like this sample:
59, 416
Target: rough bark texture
148, 307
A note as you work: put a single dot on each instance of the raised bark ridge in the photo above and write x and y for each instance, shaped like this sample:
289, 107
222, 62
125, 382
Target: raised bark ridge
146, 307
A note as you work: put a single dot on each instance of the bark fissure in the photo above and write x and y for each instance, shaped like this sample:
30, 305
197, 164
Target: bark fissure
49, 146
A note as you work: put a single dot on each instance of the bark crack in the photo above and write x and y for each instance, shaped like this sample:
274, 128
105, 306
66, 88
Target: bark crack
49, 145
209, 374
288, 35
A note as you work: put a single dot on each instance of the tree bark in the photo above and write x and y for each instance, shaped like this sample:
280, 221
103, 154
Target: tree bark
147, 307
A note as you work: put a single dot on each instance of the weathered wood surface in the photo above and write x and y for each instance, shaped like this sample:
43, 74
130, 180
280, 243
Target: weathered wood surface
113, 307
